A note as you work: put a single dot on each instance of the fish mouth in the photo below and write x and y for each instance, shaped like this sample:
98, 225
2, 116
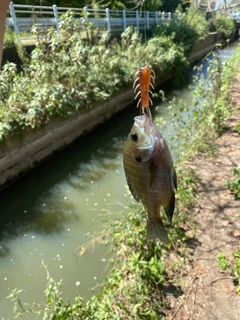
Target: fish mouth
143, 121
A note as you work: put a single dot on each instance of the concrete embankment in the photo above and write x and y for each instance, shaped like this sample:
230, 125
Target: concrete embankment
20, 156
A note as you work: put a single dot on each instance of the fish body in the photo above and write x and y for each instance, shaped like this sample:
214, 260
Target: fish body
150, 174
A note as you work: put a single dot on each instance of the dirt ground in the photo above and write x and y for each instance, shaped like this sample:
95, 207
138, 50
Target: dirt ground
208, 292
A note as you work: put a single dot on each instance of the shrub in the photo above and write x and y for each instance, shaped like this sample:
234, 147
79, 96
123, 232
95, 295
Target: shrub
234, 185
185, 29
225, 25
67, 74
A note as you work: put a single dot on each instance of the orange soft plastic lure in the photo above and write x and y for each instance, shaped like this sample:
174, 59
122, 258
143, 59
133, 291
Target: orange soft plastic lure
144, 78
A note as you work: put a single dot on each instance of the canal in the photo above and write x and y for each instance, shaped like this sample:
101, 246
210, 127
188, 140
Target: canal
49, 215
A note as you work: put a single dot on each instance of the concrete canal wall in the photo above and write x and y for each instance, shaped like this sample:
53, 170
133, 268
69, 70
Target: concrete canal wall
20, 156
203, 47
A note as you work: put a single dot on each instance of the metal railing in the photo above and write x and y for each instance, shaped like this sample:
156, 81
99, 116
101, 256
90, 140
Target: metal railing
23, 17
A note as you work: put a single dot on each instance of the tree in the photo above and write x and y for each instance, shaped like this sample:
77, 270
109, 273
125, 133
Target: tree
155, 5
172, 5
215, 5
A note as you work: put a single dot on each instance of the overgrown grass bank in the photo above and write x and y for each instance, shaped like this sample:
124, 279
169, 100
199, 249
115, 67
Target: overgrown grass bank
145, 272
66, 75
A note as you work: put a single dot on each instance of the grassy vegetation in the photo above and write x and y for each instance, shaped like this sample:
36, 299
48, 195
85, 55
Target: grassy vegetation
67, 75
234, 185
145, 272
223, 24
231, 267
186, 30
9, 38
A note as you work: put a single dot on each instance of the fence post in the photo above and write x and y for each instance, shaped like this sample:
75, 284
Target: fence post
137, 20
147, 19
55, 12
169, 15
108, 20
12, 12
163, 15
124, 20
156, 17
85, 13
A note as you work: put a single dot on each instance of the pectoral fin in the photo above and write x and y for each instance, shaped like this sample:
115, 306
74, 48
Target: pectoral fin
132, 190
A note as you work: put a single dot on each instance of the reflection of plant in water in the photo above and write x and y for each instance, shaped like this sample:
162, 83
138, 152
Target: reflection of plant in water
4, 250
53, 214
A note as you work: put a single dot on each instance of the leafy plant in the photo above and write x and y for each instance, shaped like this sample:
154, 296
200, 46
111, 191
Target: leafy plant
67, 75
233, 269
185, 29
9, 38
224, 24
236, 255
12, 43
222, 261
196, 18
55, 307
234, 185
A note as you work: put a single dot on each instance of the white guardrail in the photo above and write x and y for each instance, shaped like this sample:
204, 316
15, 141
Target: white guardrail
23, 17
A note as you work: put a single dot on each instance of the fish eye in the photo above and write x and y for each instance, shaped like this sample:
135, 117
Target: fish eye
134, 136
138, 159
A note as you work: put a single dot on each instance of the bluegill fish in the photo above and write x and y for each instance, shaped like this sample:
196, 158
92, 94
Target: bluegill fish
150, 174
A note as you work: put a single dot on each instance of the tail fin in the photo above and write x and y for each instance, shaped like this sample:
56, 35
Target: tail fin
155, 229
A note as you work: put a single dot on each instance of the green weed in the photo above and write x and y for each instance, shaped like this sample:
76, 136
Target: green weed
232, 268
186, 29
9, 38
222, 261
236, 255
234, 185
223, 24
